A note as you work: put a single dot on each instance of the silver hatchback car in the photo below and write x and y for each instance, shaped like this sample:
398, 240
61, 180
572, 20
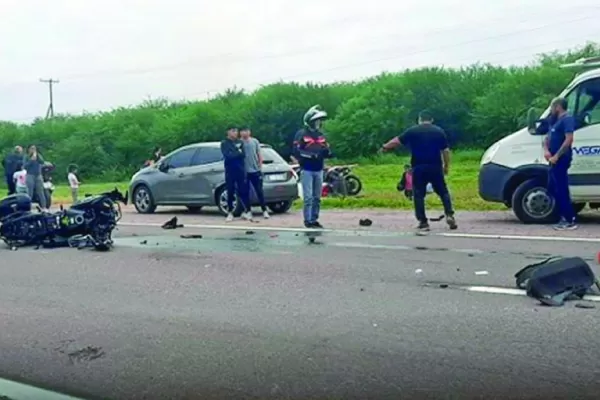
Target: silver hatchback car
194, 176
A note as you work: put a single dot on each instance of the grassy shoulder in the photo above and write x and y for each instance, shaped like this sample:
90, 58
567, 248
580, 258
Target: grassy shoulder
379, 175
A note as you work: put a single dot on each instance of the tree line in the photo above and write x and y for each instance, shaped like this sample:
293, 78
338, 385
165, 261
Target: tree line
476, 105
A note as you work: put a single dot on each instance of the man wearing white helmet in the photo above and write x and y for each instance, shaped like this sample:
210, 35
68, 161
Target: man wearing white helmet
311, 149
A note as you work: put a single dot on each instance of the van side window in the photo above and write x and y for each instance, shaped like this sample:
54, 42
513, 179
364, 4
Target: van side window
588, 102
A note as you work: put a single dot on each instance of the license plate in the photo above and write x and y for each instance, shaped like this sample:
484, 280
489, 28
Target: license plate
276, 177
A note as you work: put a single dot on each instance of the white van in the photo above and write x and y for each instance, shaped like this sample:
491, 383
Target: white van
513, 170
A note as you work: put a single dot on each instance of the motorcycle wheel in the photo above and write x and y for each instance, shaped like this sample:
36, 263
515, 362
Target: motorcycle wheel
353, 184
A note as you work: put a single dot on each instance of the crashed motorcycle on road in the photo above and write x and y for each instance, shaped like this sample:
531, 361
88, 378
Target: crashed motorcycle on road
338, 181
88, 223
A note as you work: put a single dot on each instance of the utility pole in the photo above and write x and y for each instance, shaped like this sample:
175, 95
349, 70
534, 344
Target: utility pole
50, 82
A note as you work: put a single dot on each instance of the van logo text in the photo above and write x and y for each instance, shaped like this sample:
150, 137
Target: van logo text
587, 150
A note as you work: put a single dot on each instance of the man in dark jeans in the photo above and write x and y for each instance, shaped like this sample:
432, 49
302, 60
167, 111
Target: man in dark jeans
253, 166
558, 152
235, 175
430, 160
10, 167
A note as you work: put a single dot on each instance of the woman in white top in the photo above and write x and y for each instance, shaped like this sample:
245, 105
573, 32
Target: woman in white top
20, 179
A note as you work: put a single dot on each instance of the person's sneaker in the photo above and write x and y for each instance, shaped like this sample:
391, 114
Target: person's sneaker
266, 214
308, 225
565, 226
229, 217
451, 221
423, 226
317, 225
247, 216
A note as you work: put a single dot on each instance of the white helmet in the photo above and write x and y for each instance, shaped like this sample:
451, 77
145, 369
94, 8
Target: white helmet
313, 114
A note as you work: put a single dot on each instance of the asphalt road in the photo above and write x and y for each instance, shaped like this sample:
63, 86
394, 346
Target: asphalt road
267, 315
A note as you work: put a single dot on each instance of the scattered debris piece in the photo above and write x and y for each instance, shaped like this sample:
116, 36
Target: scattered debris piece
144, 242
375, 325
583, 305
420, 248
365, 222
418, 271
273, 235
471, 255
441, 217
190, 236
457, 269
249, 232
172, 224
481, 273
362, 289
443, 286
206, 265
88, 353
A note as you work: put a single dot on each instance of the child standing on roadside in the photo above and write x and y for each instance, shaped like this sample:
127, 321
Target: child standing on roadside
20, 179
73, 182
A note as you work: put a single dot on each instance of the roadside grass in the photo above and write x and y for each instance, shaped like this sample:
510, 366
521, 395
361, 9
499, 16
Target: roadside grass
379, 176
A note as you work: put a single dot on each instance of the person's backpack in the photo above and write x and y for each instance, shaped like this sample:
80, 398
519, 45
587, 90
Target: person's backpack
556, 279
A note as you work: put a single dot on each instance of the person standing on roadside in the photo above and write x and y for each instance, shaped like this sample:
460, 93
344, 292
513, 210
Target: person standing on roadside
430, 161
559, 154
10, 163
235, 175
35, 184
311, 149
253, 163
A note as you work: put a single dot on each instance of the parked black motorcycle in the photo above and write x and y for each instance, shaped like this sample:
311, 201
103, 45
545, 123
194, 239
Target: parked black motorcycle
89, 223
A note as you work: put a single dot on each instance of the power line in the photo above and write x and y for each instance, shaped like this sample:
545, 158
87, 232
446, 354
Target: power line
50, 82
465, 59
410, 54
306, 50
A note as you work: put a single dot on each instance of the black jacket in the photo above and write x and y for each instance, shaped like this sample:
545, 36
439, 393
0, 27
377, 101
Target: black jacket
10, 163
233, 154
311, 149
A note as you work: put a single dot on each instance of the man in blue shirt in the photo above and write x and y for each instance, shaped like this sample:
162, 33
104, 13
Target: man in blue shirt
430, 161
558, 152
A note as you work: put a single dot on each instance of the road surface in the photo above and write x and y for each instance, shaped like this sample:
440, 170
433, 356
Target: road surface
264, 314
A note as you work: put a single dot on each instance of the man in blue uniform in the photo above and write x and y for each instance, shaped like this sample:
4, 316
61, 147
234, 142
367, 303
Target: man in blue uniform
430, 161
558, 152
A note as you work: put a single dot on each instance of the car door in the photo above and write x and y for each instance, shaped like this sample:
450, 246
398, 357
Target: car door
206, 173
168, 187
584, 174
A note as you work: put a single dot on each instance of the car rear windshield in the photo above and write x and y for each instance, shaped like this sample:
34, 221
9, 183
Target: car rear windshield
270, 156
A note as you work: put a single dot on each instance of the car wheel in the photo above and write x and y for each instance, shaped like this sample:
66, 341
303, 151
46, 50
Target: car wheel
532, 204
353, 184
143, 200
221, 200
194, 209
280, 207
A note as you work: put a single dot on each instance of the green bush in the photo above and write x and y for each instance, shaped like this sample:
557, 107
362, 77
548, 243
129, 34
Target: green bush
476, 105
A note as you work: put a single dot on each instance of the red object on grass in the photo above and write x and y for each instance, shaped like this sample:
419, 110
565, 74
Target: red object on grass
325, 190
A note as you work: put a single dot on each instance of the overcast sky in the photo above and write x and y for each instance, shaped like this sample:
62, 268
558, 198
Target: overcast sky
111, 53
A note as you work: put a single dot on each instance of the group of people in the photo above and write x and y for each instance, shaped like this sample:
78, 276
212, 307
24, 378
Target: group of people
243, 171
430, 161
24, 175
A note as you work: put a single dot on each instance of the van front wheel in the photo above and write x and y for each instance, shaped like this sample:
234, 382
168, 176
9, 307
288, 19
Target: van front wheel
532, 204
